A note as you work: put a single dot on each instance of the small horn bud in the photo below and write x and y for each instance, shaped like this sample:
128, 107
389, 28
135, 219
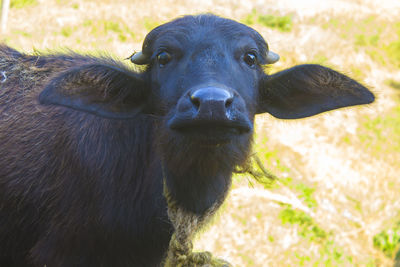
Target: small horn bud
272, 57
139, 58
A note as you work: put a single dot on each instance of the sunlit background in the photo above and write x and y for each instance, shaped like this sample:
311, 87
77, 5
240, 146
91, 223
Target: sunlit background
337, 201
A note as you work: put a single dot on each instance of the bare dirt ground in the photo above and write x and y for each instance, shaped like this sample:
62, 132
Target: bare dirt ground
339, 172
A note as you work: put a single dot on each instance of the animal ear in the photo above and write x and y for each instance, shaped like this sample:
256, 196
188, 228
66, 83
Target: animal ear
306, 90
103, 89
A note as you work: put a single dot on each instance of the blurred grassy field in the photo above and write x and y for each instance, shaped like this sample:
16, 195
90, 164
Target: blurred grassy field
337, 202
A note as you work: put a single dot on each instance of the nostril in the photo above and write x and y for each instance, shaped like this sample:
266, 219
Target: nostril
195, 101
228, 102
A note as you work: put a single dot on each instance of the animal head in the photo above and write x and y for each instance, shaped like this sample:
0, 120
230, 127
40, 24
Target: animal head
206, 70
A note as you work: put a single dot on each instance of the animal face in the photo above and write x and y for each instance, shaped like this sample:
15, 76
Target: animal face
206, 71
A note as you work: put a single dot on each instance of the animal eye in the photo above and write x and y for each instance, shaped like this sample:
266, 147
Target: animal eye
250, 59
163, 58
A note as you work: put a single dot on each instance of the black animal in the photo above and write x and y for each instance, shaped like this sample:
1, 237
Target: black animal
86, 142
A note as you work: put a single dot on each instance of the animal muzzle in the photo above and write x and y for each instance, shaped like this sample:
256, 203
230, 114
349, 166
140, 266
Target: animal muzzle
212, 103
211, 110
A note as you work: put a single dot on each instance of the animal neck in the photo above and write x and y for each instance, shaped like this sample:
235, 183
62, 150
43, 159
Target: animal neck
199, 190
186, 224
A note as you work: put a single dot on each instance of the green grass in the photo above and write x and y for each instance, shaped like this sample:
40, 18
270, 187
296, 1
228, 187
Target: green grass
378, 38
281, 23
359, 73
357, 203
22, 33
149, 23
246, 258
320, 59
251, 18
392, 51
375, 133
394, 84
22, 3
66, 31
308, 228
330, 253
379, 136
388, 241
270, 157
304, 192
101, 27
112, 26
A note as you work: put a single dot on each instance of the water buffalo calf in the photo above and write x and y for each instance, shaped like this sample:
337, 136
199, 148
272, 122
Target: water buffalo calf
86, 142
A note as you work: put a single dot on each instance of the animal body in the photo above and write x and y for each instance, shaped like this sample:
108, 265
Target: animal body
89, 144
